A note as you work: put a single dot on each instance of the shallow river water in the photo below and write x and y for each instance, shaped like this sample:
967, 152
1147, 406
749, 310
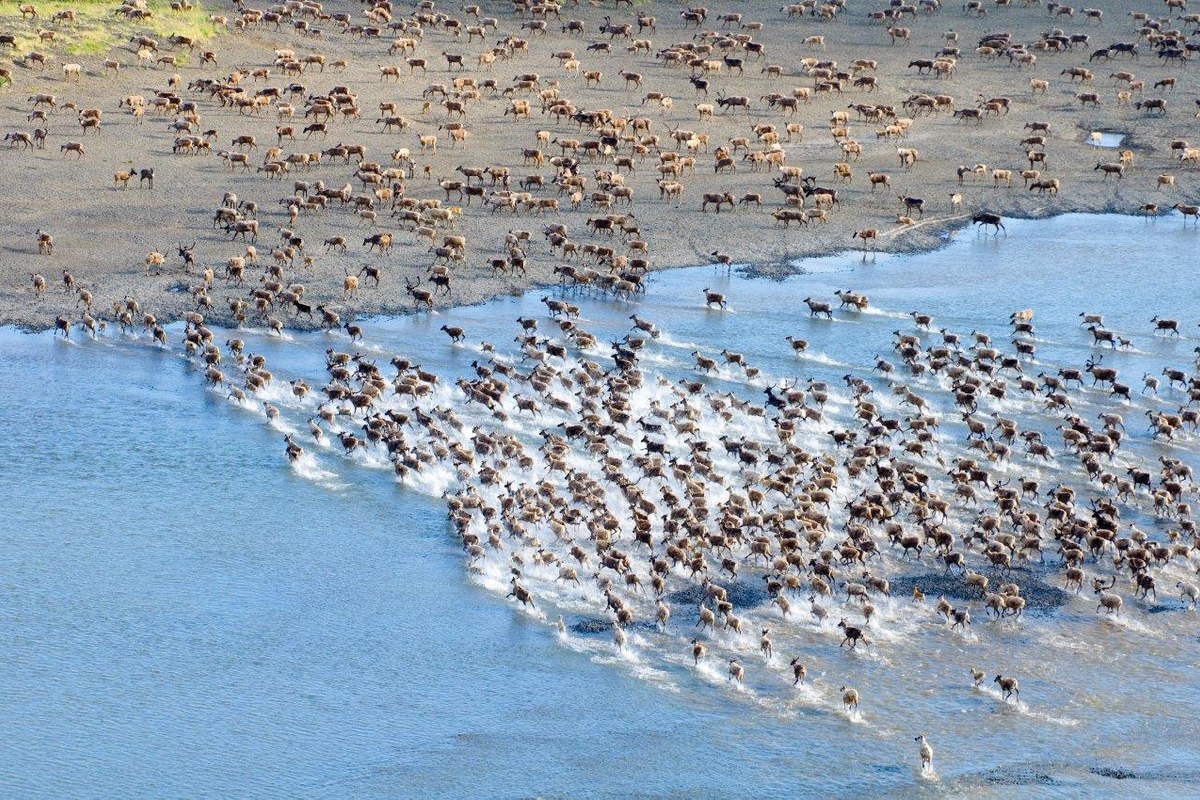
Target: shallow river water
183, 613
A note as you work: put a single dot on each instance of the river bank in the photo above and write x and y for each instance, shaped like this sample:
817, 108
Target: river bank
104, 234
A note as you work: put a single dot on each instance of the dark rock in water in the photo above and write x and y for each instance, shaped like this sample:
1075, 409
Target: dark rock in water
1186, 776
587, 625
592, 625
1040, 597
743, 594
684, 606
1017, 776
1042, 774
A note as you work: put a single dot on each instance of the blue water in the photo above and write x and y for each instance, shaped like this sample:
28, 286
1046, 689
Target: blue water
1105, 139
183, 614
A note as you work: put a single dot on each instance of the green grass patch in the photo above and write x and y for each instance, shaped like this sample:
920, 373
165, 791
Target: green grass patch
97, 30
97, 46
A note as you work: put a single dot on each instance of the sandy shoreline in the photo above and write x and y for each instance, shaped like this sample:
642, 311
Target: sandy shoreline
102, 234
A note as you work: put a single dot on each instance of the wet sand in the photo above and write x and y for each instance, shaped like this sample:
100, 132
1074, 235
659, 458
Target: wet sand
103, 234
